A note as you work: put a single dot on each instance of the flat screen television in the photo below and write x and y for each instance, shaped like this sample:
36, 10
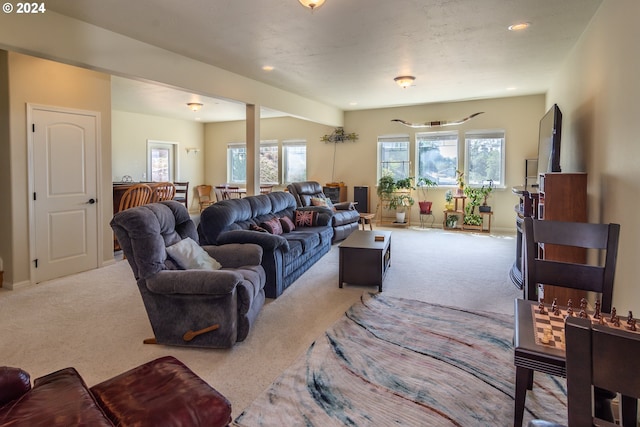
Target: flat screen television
549, 141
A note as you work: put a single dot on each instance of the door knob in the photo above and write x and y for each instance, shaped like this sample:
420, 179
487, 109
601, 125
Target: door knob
91, 201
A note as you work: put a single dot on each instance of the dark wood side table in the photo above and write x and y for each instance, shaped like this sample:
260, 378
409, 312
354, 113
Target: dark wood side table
363, 260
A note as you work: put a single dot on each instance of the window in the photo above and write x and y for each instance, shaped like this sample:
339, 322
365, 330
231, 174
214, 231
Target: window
160, 161
484, 159
236, 163
437, 156
294, 163
269, 171
393, 156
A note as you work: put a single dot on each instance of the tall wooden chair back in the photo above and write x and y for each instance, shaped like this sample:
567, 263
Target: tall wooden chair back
266, 189
586, 277
137, 195
204, 196
221, 193
163, 191
604, 358
182, 193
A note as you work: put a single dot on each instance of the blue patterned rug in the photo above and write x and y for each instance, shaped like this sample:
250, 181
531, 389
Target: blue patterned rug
400, 362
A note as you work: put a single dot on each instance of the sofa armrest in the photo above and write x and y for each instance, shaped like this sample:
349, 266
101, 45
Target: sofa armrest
194, 282
14, 382
234, 255
269, 242
344, 206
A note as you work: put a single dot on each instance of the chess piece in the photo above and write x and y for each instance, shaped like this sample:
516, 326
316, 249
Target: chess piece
630, 317
556, 311
546, 336
613, 314
570, 311
616, 321
541, 307
583, 304
583, 314
596, 314
632, 325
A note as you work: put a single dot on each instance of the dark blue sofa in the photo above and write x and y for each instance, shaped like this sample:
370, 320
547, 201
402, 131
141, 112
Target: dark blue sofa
286, 256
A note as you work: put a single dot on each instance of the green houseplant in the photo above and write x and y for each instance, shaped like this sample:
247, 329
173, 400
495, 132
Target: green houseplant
424, 184
448, 198
400, 202
475, 195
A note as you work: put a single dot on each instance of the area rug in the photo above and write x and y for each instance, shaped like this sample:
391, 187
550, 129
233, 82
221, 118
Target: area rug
399, 362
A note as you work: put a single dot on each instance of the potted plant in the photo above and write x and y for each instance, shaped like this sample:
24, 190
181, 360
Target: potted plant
424, 184
452, 221
386, 186
400, 202
448, 197
486, 192
475, 195
460, 181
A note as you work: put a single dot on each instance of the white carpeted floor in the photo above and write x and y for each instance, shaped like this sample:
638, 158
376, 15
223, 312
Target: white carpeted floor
95, 321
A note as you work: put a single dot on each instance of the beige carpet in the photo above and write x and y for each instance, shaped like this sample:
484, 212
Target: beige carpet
95, 321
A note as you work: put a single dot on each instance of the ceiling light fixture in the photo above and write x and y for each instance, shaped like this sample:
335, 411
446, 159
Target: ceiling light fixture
404, 81
312, 4
195, 106
519, 27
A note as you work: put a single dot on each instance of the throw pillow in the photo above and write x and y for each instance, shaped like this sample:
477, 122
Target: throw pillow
317, 201
272, 226
306, 218
287, 225
191, 256
258, 228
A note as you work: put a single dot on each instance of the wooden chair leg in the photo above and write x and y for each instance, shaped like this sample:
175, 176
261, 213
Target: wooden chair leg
523, 377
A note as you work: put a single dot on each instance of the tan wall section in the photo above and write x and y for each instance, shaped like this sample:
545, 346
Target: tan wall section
597, 91
43, 82
130, 132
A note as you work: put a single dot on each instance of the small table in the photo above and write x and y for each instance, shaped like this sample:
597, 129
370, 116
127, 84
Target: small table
530, 355
364, 217
363, 260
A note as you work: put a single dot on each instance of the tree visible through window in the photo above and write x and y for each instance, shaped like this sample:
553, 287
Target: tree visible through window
485, 158
437, 156
294, 163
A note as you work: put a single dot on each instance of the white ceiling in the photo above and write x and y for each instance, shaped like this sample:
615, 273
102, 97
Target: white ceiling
347, 52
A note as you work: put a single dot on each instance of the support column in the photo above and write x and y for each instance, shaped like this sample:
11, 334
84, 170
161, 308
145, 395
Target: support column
253, 149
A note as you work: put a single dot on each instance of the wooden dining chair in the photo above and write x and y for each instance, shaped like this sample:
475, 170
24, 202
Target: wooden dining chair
266, 189
599, 357
204, 196
221, 193
585, 277
182, 193
597, 276
163, 191
137, 195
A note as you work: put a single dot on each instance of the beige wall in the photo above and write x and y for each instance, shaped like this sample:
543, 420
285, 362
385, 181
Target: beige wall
130, 132
598, 91
356, 162
43, 82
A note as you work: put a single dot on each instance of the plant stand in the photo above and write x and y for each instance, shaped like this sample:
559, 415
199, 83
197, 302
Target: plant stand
387, 217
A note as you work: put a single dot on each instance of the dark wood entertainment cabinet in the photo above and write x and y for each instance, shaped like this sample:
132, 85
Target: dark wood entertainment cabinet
560, 197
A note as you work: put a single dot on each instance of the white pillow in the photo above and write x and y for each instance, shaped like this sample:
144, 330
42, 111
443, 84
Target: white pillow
190, 256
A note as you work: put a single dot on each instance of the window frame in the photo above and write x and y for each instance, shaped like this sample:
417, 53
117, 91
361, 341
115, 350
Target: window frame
398, 139
485, 134
439, 136
172, 167
285, 159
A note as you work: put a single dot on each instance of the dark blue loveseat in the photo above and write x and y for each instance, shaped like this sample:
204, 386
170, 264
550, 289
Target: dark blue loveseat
285, 256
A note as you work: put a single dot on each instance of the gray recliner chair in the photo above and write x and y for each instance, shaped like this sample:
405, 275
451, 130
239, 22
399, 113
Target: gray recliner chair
345, 218
193, 307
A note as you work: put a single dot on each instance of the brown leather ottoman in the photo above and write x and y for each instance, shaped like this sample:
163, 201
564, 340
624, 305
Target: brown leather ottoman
163, 392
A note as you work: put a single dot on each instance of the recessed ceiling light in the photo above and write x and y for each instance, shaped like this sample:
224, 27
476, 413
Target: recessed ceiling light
267, 68
519, 26
511, 88
353, 103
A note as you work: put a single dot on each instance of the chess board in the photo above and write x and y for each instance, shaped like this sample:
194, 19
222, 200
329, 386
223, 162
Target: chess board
541, 322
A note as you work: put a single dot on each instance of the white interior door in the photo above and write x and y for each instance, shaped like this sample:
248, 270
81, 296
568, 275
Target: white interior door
64, 209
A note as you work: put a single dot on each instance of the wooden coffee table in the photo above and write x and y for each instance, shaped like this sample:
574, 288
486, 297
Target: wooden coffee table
363, 260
